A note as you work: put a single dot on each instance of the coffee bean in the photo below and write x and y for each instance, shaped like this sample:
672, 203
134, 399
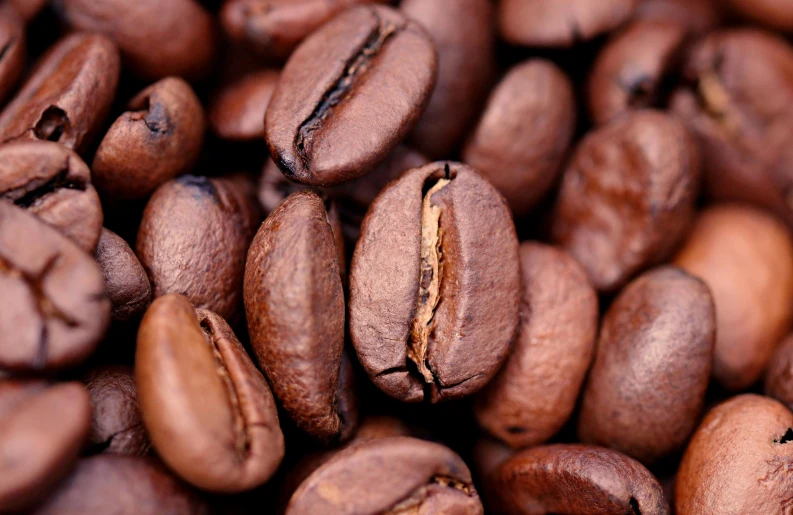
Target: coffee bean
68, 96
745, 256
421, 477
12, 49
202, 399
28, 8
158, 138
435, 284
646, 389
737, 460
53, 183
488, 455
779, 377
237, 109
774, 13
535, 392
524, 133
697, 16
128, 286
349, 94
294, 303
54, 309
42, 429
579, 479
627, 196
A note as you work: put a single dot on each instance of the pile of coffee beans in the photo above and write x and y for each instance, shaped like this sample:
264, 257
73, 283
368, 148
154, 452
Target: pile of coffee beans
406, 257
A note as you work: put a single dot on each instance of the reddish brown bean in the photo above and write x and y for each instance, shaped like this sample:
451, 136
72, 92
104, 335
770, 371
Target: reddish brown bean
237, 110
12, 49
127, 284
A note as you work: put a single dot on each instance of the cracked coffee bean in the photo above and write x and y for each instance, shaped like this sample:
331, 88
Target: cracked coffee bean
12, 49
202, 399
435, 284
53, 183
332, 118
237, 110
420, 477
54, 306
127, 284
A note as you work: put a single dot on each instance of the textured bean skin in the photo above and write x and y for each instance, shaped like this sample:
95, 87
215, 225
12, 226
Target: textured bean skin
237, 109
13, 44
127, 284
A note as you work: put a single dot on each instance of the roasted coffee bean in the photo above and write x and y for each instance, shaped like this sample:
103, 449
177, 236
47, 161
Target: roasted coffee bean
774, 13
53, 310
745, 256
349, 94
122, 485
127, 284
421, 477
524, 133
697, 16
737, 461
462, 31
202, 399
627, 196
435, 284
488, 454
579, 479
193, 239
156, 39
646, 389
237, 110
12, 49
551, 23
779, 377
68, 95
116, 426
535, 392
53, 183
294, 303
42, 429
158, 138
28, 8
739, 104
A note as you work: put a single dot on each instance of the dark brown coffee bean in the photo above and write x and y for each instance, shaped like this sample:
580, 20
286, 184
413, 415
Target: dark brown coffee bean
774, 13
68, 96
739, 103
745, 256
54, 309
42, 429
116, 426
551, 23
12, 49
435, 284
631, 70
535, 392
662, 326
128, 285
158, 138
349, 94
53, 183
580, 479
737, 461
462, 31
122, 485
524, 133
202, 399
697, 16
627, 196
237, 111
275, 27
156, 39
294, 303
421, 477
193, 239
779, 377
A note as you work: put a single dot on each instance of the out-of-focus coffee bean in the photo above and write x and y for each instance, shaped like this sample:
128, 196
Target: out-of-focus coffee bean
697, 16
237, 110
127, 284
12, 49
779, 377
28, 8
774, 13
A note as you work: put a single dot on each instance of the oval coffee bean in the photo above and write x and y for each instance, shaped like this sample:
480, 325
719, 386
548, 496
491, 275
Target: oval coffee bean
42, 429
421, 477
237, 111
53, 183
551, 23
12, 49
158, 138
54, 309
116, 426
535, 392
745, 256
698, 16
661, 326
435, 284
202, 399
193, 239
779, 377
462, 31
774, 13
349, 94
294, 303
182, 32
737, 460
68, 95
627, 196
524, 133
128, 285
580, 479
